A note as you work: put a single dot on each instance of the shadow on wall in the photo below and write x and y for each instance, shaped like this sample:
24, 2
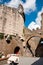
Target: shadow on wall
38, 62
39, 49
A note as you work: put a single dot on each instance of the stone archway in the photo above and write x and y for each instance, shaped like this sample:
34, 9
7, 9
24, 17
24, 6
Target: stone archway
32, 44
34, 47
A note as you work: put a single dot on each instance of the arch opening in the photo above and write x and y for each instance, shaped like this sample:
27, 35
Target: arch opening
16, 50
39, 49
29, 46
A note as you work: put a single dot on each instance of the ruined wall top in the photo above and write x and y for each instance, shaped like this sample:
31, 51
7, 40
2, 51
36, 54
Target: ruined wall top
20, 9
11, 19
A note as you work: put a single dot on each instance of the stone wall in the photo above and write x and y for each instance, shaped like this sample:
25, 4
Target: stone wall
9, 48
11, 21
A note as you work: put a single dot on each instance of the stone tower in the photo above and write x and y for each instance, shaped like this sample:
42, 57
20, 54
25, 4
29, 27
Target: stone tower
11, 23
11, 20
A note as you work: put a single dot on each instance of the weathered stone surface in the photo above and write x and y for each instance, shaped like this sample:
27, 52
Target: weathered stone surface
12, 23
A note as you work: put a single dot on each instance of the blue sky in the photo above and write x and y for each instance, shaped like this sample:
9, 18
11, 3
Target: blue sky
32, 9
32, 16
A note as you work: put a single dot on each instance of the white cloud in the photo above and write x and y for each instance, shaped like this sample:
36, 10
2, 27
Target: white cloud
38, 19
13, 3
33, 25
29, 5
37, 23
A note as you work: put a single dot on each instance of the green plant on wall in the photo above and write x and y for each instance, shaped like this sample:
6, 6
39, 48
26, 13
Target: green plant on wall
24, 32
1, 54
1, 35
10, 37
